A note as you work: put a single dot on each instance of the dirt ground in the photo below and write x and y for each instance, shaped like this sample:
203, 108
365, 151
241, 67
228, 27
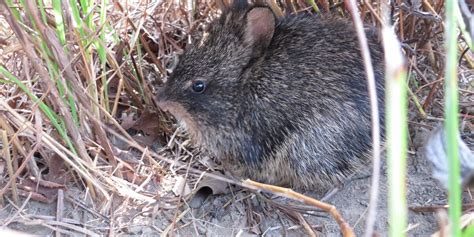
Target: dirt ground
240, 212
352, 201
230, 214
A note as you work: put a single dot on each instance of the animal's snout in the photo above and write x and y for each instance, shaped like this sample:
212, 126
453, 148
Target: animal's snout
164, 105
162, 98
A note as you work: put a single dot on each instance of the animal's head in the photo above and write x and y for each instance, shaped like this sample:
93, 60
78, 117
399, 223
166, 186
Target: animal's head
208, 86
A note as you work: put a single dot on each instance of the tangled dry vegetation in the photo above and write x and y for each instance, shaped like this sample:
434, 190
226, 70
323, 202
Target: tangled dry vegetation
80, 131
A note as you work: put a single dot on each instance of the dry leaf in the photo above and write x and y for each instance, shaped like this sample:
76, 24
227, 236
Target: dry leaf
181, 188
208, 186
217, 186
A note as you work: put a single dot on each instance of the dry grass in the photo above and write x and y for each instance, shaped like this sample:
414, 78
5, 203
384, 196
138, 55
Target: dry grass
87, 133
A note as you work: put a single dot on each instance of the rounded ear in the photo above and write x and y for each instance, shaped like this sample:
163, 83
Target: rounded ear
259, 28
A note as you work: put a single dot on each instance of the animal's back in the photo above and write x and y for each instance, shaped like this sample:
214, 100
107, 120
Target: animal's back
312, 102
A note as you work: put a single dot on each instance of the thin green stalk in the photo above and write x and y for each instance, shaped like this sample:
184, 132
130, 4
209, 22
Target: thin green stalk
53, 117
396, 133
451, 110
136, 73
469, 231
14, 10
77, 24
84, 24
417, 102
41, 9
77, 21
314, 5
86, 7
53, 69
101, 50
58, 19
140, 72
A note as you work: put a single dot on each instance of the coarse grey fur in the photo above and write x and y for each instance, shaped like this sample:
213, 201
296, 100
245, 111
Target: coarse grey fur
285, 101
436, 151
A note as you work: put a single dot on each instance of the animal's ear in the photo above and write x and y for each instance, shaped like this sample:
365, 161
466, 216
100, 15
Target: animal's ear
259, 29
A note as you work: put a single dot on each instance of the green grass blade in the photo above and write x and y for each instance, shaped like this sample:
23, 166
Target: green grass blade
42, 11
58, 19
86, 8
102, 51
77, 20
314, 6
396, 132
14, 10
469, 231
451, 114
49, 113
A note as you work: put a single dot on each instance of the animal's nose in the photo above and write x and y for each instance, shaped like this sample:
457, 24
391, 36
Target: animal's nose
162, 98
164, 105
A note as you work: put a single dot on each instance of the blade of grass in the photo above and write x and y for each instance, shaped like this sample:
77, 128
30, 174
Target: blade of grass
102, 51
55, 120
469, 231
396, 105
86, 8
314, 6
14, 10
53, 67
76, 17
58, 19
396, 124
7, 157
41, 7
415, 100
451, 115
375, 116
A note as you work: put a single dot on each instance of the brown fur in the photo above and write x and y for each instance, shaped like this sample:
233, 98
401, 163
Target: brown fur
286, 100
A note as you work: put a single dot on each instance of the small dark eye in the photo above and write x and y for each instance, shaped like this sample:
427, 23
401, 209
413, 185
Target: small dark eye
199, 86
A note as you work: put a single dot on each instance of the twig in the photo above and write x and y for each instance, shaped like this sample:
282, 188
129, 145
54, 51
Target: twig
374, 191
7, 157
305, 225
178, 218
59, 209
19, 170
346, 230
19, 209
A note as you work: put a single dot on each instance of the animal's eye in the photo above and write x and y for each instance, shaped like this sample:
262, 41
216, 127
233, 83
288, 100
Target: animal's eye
198, 86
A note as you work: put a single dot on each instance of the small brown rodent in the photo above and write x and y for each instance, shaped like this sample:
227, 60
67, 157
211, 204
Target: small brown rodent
281, 101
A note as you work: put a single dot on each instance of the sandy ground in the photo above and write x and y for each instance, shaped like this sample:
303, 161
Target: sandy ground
230, 214
352, 201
